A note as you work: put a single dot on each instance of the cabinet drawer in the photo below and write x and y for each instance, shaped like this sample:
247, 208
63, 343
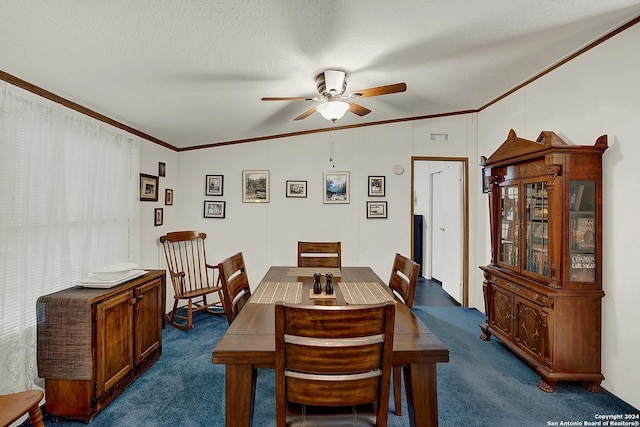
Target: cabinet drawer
538, 298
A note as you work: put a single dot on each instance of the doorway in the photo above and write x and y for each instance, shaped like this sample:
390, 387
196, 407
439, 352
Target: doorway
439, 186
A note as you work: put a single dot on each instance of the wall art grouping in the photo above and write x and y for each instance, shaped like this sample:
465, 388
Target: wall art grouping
256, 189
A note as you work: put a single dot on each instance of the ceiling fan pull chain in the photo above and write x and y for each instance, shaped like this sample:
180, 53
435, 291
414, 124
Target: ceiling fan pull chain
331, 150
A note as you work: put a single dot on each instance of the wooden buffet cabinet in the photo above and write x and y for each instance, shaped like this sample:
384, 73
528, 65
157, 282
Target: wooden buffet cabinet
93, 343
543, 288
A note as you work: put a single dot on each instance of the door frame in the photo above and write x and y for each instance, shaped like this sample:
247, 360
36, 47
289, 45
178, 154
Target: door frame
465, 222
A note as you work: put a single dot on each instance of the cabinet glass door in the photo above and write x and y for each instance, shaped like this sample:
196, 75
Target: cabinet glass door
536, 228
510, 218
582, 229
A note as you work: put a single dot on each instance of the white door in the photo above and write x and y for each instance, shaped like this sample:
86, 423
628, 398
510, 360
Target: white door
446, 228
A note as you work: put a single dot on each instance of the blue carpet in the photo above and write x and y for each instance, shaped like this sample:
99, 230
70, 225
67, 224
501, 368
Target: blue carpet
484, 384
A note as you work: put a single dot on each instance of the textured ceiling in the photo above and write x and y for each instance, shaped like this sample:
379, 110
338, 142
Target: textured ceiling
192, 73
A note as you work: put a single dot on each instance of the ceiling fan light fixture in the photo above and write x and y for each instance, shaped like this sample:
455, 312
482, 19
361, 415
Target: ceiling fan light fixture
333, 110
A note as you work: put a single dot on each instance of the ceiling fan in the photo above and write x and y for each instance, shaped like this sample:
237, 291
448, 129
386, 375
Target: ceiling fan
331, 85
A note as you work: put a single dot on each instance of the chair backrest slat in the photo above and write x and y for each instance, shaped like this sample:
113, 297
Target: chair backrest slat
404, 276
320, 254
235, 285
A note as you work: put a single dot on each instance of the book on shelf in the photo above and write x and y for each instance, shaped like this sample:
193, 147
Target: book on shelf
583, 268
582, 233
575, 197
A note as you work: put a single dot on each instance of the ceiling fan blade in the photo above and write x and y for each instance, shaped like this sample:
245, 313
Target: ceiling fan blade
380, 90
306, 114
288, 98
358, 109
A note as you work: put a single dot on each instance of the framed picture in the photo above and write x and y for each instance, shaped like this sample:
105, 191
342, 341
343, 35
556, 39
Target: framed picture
157, 214
148, 188
376, 209
255, 186
296, 188
376, 186
162, 169
336, 187
213, 185
214, 209
486, 173
168, 197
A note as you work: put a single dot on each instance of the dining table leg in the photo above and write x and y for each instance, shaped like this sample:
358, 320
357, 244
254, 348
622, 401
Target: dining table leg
422, 394
240, 391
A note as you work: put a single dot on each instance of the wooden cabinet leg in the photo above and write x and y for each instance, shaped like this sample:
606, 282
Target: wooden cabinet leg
592, 386
546, 385
485, 335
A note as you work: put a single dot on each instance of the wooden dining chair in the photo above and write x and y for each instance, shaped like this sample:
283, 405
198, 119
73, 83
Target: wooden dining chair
404, 276
235, 285
13, 406
333, 364
192, 277
319, 254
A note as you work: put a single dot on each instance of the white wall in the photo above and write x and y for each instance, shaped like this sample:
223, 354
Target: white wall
597, 93
267, 234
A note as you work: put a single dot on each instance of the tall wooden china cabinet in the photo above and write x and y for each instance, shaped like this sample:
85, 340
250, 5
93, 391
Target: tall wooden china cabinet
543, 288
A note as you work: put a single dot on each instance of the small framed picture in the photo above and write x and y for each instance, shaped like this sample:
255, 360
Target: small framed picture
376, 186
336, 187
148, 188
168, 196
214, 185
376, 209
486, 173
157, 214
214, 209
296, 188
162, 169
255, 186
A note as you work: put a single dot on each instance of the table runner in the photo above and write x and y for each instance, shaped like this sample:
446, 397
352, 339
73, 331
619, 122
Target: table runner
272, 292
309, 271
364, 293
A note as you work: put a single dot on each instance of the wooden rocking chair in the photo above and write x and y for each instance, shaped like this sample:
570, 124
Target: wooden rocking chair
192, 277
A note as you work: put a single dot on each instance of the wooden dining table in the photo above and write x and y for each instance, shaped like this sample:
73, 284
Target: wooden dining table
249, 343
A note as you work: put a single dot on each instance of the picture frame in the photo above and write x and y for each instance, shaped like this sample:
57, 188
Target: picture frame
158, 216
148, 188
162, 169
168, 197
255, 186
376, 209
214, 209
376, 186
296, 188
336, 187
214, 185
486, 173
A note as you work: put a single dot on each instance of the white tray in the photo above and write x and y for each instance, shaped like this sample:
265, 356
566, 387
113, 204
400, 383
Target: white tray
93, 282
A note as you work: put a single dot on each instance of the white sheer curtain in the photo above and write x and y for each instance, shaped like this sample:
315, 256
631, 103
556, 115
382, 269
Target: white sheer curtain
69, 200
